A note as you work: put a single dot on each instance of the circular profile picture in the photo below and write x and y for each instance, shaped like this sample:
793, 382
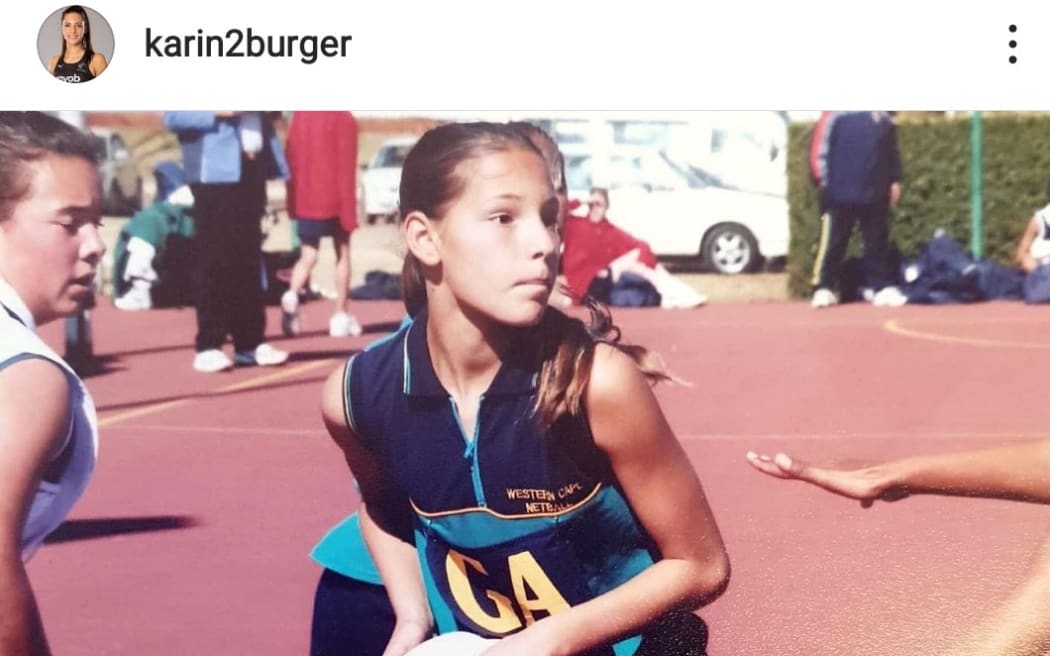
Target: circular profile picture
75, 44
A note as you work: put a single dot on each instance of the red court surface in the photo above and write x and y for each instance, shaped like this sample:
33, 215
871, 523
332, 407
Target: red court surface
211, 489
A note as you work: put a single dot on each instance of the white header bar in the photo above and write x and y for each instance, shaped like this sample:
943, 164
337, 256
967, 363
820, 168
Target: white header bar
539, 54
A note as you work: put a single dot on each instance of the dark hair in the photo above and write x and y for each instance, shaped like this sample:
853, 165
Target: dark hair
567, 348
550, 151
89, 51
565, 345
603, 192
429, 182
26, 137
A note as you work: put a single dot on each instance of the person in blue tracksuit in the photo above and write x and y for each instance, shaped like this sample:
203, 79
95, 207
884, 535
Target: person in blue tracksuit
228, 157
859, 171
519, 479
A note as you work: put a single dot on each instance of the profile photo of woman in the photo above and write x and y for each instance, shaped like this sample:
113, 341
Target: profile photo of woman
78, 61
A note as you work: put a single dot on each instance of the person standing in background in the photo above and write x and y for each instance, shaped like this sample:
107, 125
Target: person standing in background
322, 198
228, 157
860, 180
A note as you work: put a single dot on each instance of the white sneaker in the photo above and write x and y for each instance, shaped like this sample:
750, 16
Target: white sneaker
290, 313
682, 297
344, 325
823, 298
132, 301
889, 297
264, 355
211, 361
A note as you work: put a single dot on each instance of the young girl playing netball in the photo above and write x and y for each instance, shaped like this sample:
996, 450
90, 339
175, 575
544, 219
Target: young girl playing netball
520, 479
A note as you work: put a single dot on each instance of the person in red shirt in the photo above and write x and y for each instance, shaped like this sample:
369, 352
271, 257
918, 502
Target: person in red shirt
597, 251
322, 197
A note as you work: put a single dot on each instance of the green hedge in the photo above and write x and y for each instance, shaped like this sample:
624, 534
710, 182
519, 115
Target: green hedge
935, 157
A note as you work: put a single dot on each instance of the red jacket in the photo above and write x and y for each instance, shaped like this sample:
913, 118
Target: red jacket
322, 161
590, 247
815, 144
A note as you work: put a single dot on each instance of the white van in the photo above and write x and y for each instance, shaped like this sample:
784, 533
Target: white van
381, 179
680, 211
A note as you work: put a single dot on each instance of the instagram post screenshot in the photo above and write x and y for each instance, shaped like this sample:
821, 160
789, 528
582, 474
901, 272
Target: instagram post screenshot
524, 329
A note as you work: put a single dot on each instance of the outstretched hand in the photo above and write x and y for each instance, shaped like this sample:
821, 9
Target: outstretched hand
867, 485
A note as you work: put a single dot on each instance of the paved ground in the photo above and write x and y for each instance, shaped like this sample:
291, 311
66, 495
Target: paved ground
211, 490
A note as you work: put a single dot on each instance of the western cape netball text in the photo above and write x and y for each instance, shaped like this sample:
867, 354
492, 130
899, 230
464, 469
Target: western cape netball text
246, 43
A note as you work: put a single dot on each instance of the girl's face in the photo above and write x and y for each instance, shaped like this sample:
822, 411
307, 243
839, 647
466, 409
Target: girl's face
498, 241
73, 26
597, 206
50, 245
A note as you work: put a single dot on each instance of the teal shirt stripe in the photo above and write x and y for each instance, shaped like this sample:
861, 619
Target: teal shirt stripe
444, 620
627, 647
475, 528
343, 550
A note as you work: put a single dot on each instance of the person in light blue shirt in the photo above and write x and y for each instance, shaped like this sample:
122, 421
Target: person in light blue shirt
228, 157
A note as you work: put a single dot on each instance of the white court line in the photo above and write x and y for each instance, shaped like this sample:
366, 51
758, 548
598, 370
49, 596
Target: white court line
110, 419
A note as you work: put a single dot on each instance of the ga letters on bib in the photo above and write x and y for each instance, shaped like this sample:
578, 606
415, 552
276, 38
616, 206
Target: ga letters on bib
512, 525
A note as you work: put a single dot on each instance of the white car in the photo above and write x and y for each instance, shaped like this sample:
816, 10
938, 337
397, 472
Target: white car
381, 179
680, 211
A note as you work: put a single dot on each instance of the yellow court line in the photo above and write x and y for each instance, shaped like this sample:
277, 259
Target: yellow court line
277, 375
109, 420
258, 381
892, 326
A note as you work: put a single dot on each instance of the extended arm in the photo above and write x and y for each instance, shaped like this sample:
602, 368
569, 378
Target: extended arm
662, 489
1023, 255
34, 407
383, 526
1019, 472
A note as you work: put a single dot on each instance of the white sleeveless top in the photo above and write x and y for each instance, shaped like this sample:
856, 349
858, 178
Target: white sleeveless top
1040, 248
76, 459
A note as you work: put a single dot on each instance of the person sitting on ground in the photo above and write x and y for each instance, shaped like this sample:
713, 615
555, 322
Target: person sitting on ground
1033, 249
598, 255
1033, 255
151, 260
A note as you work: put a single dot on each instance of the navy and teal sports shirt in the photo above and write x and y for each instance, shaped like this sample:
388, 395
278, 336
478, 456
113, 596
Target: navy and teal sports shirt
512, 523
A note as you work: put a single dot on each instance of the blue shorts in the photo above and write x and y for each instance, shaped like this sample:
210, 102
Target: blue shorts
351, 618
310, 231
